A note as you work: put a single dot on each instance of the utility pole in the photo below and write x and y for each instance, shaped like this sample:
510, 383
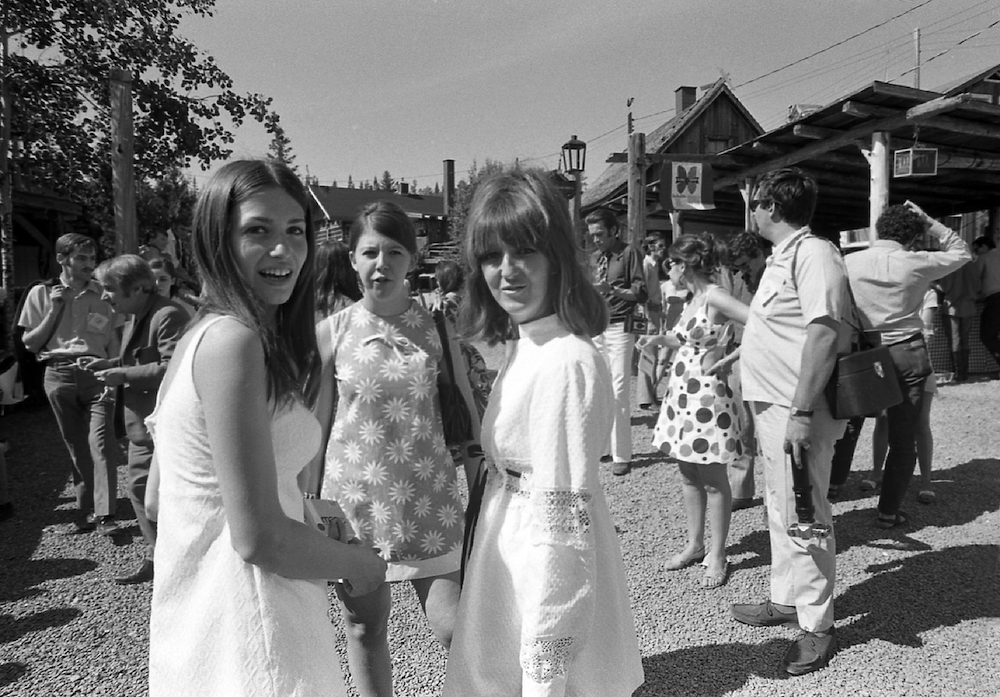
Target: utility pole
637, 188
122, 166
916, 58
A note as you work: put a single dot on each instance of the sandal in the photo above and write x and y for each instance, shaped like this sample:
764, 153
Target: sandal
926, 496
894, 521
715, 580
679, 561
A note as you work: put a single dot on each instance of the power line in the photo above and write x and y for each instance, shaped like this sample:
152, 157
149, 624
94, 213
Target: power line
938, 55
833, 46
894, 46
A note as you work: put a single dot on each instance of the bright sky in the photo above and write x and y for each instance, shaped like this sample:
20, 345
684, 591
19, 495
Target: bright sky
364, 86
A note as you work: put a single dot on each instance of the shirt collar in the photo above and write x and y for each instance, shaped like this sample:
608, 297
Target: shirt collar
891, 244
788, 242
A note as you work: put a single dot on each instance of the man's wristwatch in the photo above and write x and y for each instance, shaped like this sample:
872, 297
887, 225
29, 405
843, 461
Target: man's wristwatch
802, 413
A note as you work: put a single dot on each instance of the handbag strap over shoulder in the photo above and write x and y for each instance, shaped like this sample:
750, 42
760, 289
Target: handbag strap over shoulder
863, 341
447, 367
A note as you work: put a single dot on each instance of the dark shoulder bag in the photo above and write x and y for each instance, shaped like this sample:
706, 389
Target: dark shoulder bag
455, 416
864, 381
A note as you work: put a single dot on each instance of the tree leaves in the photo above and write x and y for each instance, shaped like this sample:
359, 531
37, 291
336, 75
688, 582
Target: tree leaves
185, 108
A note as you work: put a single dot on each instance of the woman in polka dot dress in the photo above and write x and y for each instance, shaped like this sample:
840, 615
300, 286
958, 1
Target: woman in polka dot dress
699, 425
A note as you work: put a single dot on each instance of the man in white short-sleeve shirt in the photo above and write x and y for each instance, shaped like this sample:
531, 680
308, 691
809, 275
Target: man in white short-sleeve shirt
63, 322
789, 350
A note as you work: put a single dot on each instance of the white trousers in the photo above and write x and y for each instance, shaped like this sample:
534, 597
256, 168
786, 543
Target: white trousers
803, 572
616, 345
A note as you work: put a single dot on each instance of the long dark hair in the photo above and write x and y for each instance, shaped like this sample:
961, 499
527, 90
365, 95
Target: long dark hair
521, 209
334, 276
290, 354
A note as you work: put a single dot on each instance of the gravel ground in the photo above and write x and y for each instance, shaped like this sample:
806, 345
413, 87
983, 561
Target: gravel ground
917, 610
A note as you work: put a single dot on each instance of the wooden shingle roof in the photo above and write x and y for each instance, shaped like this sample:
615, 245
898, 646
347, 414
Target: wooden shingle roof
613, 182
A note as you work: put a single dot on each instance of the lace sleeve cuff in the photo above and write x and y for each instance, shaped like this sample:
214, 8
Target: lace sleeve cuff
543, 662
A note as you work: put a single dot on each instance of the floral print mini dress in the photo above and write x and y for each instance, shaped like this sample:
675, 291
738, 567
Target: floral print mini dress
387, 463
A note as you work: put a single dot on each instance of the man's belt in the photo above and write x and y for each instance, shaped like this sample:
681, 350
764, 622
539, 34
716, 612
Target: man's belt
65, 361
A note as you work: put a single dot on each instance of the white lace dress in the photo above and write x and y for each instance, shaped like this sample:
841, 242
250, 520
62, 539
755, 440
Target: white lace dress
545, 605
221, 626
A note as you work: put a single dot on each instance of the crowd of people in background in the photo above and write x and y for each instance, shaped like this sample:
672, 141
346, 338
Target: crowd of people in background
256, 375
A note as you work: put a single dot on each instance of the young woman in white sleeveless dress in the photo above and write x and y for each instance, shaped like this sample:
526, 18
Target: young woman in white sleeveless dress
238, 605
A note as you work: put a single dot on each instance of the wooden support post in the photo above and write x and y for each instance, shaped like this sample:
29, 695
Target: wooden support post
577, 197
122, 168
747, 187
636, 188
6, 192
676, 221
878, 163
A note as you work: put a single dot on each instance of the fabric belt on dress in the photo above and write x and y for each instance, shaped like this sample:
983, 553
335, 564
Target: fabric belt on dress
476, 494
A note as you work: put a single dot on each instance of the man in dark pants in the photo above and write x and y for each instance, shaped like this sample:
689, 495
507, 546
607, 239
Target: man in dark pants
154, 327
988, 263
64, 322
889, 281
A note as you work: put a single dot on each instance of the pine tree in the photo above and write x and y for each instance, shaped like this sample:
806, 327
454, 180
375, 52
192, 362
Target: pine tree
280, 148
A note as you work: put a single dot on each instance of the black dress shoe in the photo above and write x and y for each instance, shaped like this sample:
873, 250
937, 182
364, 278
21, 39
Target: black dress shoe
763, 615
145, 573
810, 652
82, 525
106, 525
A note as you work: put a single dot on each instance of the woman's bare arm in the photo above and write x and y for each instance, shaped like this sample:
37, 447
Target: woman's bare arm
229, 370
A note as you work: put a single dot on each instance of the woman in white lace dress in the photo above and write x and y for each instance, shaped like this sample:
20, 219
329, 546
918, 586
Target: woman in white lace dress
237, 606
545, 603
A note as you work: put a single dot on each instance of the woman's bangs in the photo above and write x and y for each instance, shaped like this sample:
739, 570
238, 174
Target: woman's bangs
507, 227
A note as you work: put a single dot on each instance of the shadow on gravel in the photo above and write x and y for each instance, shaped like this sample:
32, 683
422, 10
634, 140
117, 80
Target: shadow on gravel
910, 596
682, 673
757, 543
11, 672
21, 578
650, 459
12, 629
38, 474
645, 418
964, 493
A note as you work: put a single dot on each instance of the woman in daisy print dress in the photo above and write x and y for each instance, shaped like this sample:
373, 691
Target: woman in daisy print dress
699, 425
386, 461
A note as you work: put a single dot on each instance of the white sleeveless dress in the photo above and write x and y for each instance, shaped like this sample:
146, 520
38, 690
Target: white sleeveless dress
221, 626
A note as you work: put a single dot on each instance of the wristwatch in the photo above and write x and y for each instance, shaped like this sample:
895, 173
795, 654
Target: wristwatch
802, 413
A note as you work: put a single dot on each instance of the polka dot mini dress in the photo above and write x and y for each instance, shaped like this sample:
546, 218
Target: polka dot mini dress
699, 420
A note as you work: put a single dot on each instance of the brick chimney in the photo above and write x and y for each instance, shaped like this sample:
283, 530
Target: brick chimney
685, 97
